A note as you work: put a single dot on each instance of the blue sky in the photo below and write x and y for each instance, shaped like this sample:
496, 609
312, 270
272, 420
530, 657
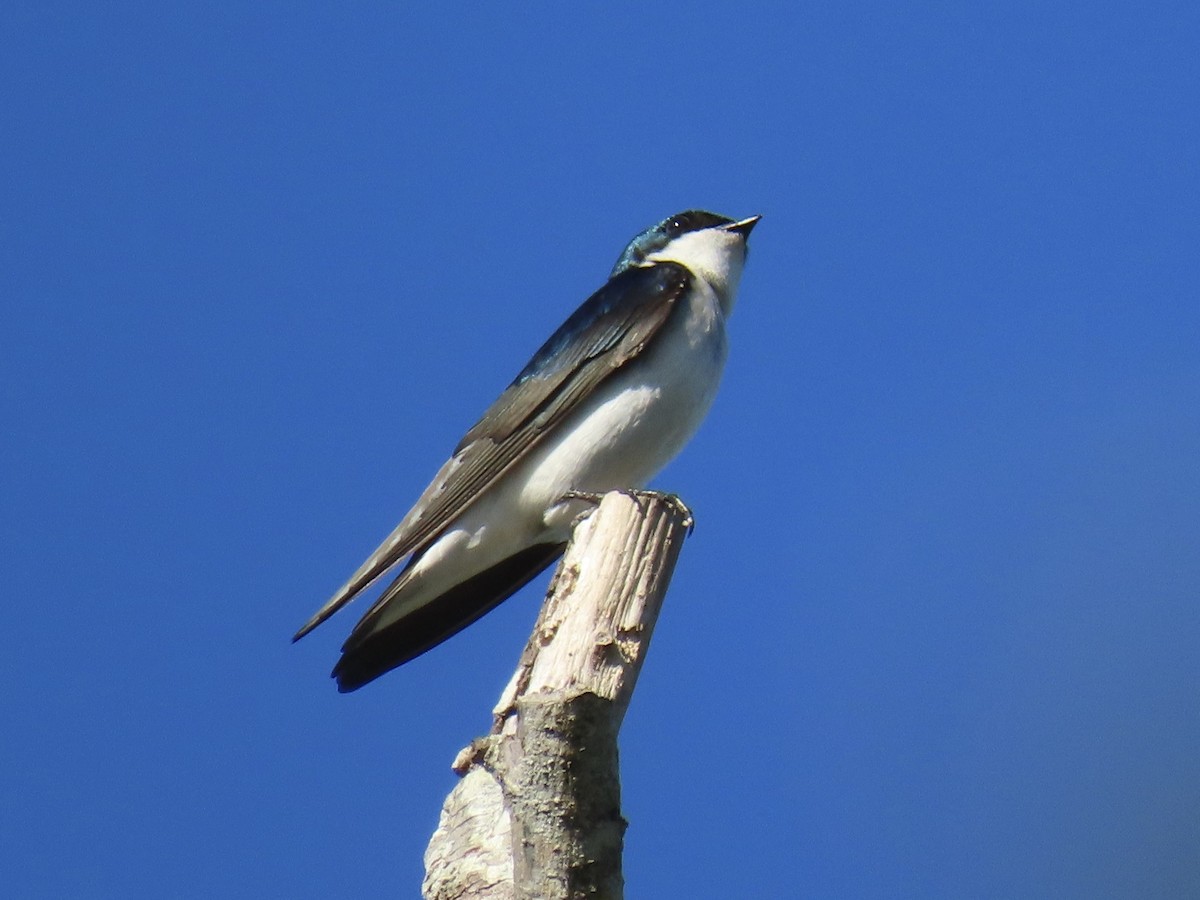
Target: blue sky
936, 633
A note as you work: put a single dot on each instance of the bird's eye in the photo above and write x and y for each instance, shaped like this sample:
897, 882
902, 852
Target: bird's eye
679, 225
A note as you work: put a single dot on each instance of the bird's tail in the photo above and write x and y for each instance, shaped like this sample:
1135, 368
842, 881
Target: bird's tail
380, 643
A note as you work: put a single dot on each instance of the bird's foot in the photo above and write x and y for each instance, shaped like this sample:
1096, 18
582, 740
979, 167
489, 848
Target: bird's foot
590, 497
673, 500
594, 498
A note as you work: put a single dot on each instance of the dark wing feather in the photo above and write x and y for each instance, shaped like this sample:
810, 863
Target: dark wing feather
611, 328
369, 654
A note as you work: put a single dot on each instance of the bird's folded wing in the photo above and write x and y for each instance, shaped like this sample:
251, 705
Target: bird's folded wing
609, 330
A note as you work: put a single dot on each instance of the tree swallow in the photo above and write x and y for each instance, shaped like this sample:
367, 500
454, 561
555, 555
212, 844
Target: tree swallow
604, 404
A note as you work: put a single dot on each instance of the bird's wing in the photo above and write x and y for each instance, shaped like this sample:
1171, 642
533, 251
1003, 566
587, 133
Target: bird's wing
610, 329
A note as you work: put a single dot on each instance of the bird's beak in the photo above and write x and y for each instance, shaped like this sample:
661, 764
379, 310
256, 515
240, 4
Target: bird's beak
744, 227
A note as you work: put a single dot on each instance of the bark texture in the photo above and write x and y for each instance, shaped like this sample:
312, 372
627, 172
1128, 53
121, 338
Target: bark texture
537, 813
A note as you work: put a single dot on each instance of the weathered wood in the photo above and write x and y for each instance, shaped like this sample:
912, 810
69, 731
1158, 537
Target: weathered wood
538, 813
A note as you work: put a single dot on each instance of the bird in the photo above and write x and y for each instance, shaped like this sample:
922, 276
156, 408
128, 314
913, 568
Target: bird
604, 404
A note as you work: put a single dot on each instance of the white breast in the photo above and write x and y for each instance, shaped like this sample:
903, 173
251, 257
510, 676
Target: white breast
640, 418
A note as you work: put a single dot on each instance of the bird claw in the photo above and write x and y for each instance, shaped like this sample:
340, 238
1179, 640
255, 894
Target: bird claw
689, 521
590, 496
673, 500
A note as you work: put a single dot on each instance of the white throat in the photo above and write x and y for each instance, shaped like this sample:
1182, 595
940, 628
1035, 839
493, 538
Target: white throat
714, 254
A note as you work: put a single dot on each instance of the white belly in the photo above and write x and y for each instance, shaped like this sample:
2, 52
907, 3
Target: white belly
636, 423
639, 420
620, 438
